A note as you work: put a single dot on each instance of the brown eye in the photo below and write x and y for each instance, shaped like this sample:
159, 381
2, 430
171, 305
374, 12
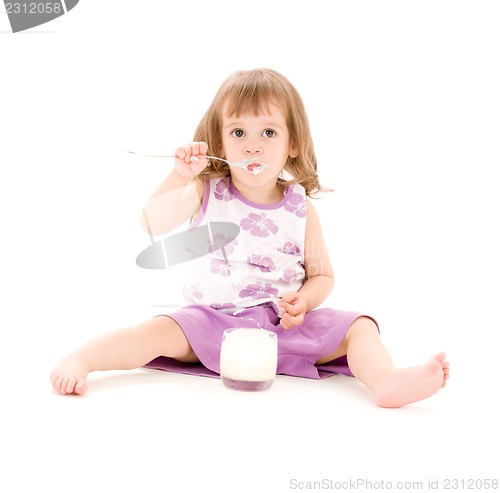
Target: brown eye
268, 132
237, 133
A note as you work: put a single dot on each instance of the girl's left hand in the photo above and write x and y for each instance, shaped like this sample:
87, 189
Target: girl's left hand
294, 307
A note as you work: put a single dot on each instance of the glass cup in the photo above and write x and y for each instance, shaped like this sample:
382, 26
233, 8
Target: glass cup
248, 358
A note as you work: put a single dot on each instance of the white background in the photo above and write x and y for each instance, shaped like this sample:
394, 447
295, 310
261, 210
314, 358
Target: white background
404, 106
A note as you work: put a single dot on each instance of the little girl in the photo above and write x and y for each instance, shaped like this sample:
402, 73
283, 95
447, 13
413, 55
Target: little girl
273, 275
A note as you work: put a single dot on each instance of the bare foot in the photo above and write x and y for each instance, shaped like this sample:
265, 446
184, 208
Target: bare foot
406, 385
69, 377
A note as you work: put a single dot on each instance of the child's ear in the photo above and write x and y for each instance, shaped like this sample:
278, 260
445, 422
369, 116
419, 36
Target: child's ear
293, 152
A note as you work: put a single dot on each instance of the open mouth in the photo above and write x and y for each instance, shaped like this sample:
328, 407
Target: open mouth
255, 167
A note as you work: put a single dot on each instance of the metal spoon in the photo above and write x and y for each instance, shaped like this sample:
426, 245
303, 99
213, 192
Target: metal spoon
236, 164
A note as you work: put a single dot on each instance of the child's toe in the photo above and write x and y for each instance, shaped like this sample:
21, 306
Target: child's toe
80, 388
58, 384
70, 385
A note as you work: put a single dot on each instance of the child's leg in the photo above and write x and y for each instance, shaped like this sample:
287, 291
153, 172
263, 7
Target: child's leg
370, 362
123, 349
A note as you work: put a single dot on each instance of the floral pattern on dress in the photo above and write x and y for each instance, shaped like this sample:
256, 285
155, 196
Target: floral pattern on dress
259, 290
222, 306
218, 242
264, 264
297, 204
289, 248
218, 266
222, 191
192, 293
259, 225
289, 275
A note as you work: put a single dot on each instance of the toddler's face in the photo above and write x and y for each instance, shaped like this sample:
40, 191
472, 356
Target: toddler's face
264, 137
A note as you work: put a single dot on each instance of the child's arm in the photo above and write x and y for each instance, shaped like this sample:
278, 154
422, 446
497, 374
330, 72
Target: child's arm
319, 275
179, 196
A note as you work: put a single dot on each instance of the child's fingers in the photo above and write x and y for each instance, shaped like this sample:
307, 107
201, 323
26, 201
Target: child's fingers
203, 148
293, 314
193, 152
285, 322
199, 148
297, 320
197, 163
287, 309
185, 153
191, 158
290, 297
291, 309
288, 321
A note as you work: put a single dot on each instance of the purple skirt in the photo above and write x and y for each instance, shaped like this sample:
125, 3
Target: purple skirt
299, 348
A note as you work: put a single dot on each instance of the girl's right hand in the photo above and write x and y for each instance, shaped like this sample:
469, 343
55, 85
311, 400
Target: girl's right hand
190, 159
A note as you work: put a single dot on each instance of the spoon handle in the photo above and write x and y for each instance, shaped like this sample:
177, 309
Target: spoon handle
239, 164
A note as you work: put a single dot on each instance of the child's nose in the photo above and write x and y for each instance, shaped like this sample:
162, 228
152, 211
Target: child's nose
252, 148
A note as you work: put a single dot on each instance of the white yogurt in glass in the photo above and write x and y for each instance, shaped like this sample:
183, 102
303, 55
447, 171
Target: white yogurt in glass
248, 358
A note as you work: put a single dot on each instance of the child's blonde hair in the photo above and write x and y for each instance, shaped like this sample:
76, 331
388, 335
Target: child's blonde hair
249, 90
